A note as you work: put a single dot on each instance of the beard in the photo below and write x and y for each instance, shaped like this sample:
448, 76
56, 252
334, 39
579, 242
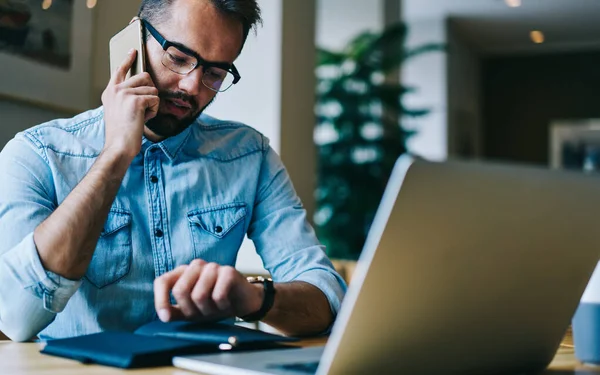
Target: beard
168, 125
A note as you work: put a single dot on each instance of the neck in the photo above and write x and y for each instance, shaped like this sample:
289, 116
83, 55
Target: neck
152, 136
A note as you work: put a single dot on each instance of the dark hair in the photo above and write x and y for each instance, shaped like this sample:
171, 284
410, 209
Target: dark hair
245, 11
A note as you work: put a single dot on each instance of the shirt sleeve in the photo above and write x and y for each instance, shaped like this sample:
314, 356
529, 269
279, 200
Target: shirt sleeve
284, 239
30, 296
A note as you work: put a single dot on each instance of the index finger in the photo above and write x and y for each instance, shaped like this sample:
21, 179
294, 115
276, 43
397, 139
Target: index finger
162, 290
121, 72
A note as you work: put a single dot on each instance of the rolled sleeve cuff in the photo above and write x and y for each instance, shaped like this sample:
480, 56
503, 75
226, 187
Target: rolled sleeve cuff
25, 267
331, 284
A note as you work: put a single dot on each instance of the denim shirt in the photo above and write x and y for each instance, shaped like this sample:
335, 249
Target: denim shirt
194, 195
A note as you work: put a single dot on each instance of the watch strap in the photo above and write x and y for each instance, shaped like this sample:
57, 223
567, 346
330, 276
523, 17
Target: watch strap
268, 299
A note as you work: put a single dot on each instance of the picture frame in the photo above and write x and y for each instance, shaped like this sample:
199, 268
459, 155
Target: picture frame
575, 145
64, 88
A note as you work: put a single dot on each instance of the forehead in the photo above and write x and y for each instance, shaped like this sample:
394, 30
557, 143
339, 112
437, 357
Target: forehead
198, 25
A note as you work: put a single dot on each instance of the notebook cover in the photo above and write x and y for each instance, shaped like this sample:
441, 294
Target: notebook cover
125, 350
216, 333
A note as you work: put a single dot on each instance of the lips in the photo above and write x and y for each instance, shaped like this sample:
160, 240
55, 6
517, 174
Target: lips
177, 107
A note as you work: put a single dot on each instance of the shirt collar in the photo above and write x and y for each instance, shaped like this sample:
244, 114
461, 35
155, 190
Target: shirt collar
170, 146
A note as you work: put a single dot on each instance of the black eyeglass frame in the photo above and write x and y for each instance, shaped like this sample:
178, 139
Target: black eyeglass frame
165, 44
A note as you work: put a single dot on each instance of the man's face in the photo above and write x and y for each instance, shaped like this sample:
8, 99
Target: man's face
197, 25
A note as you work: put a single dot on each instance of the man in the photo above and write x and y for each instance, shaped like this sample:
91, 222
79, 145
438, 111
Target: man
136, 210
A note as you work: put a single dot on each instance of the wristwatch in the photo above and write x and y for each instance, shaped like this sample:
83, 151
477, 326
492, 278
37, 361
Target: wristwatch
268, 299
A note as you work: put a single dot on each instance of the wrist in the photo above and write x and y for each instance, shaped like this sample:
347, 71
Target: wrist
258, 300
267, 294
119, 158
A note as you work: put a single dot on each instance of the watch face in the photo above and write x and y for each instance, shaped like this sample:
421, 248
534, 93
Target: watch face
255, 279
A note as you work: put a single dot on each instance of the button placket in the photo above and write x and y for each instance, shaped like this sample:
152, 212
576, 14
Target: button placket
156, 216
158, 240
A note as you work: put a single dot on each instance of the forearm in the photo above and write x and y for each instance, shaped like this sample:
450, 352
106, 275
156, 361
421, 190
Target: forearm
299, 309
30, 297
67, 238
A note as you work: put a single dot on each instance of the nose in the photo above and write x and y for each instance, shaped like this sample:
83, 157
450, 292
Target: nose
191, 83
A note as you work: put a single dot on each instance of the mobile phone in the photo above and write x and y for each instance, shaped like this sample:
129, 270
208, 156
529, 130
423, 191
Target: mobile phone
120, 44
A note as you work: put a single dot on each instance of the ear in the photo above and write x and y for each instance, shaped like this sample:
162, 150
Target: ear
134, 19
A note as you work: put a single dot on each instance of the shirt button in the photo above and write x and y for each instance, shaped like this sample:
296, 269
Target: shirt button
154, 179
218, 229
158, 233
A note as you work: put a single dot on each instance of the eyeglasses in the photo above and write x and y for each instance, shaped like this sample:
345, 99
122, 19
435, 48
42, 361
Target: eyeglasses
182, 60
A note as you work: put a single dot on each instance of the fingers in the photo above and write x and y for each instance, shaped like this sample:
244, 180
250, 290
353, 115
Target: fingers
121, 72
201, 290
144, 90
182, 290
149, 104
142, 79
140, 84
152, 108
222, 290
143, 87
128, 105
162, 294
202, 293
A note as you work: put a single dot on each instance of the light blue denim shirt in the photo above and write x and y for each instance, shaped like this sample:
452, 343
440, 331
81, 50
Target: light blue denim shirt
191, 196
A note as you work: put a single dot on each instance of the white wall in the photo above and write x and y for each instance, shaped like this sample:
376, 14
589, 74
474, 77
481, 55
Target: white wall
428, 74
338, 21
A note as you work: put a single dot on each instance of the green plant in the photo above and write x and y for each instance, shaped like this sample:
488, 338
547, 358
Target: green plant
359, 134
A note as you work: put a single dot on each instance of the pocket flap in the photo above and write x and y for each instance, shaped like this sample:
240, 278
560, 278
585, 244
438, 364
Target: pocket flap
218, 220
116, 220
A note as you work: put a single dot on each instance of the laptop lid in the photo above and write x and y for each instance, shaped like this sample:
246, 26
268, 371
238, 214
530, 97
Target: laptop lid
468, 267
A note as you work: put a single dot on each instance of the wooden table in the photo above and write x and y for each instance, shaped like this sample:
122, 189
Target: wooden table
25, 359
565, 362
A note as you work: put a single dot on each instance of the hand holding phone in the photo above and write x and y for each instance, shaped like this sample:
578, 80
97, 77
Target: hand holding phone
120, 45
130, 99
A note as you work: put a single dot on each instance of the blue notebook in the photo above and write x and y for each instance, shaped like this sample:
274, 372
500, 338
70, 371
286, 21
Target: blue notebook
156, 343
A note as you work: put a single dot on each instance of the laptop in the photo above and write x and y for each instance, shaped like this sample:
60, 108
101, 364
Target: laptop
468, 268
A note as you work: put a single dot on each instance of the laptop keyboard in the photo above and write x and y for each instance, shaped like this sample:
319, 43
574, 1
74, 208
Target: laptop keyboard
305, 367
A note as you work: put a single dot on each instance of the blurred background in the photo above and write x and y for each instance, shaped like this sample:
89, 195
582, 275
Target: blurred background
343, 87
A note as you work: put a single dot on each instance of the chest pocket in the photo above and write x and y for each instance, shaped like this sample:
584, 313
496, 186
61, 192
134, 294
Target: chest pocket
217, 232
112, 258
